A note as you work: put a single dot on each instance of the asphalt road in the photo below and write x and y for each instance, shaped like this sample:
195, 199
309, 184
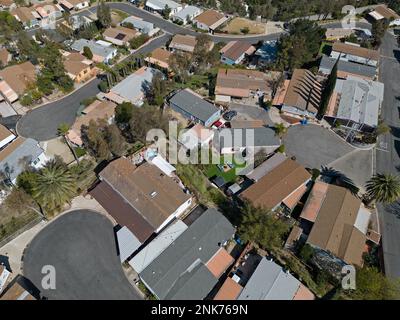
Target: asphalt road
388, 153
81, 247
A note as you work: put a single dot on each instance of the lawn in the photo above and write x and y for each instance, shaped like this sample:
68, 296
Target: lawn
229, 175
236, 26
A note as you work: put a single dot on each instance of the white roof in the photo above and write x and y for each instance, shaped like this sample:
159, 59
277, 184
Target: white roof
160, 4
362, 220
140, 261
127, 243
163, 165
376, 15
188, 11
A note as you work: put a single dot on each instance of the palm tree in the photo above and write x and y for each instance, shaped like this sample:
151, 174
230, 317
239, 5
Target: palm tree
55, 185
62, 131
280, 129
383, 188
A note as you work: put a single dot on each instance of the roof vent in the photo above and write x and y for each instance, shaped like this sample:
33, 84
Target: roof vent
153, 194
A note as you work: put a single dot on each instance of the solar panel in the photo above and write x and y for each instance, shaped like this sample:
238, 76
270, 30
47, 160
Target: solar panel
120, 36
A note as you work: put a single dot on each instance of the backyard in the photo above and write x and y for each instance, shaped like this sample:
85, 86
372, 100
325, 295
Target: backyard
226, 169
244, 26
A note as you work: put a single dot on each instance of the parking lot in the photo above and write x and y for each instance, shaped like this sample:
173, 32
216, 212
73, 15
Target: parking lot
82, 248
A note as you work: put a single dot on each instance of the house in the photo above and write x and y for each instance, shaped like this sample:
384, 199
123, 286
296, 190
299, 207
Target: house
78, 67
14, 80
209, 20
270, 282
160, 5
195, 137
230, 290
236, 51
48, 14
193, 107
120, 36
187, 14
94, 111
101, 52
15, 156
20, 289
253, 140
27, 16
133, 88
355, 103
6, 136
7, 4
282, 187
354, 53
159, 58
244, 84
142, 198
76, 22
346, 69
334, 34
4, 274
74, 4
190, 266
185, 43
140, 25
383, 12
302, 94
340, 222
5, 57
267, 166
156, 246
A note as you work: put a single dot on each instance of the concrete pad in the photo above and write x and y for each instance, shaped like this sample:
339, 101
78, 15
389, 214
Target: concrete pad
57, 147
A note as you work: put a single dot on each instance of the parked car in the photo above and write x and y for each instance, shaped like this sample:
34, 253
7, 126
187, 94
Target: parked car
228, 116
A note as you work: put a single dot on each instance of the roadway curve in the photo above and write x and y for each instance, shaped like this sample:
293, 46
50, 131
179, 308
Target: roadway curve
42, 123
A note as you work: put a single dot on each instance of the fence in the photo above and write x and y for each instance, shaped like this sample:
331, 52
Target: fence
26, 227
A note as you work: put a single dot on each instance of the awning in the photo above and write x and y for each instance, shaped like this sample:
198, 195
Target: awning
127, 243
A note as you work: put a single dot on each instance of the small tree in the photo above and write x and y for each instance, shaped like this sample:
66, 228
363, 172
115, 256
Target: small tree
166, 12
104, 14
280, 129
87, 52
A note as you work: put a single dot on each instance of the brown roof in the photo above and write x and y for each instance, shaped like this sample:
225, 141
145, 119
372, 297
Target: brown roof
239, 82
183, 40
121, 211
161, 55
294, 236
146, 188
19, 76
387, 12
304, 91
11, 147
23, 13
4, 132
209, 17
230, 290
278, 184
126, 34
219, 263
234, 49
356, 51
6, 3
17, 292
334, 228
303, 293
5, 56
75, 67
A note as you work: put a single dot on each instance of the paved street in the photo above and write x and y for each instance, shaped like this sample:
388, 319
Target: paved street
81, 247
389, 161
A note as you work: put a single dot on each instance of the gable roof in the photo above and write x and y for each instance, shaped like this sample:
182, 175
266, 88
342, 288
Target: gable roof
120, 33
96, 48
146, 188
356, 51
24, 14
181, 42
209, 17
235, 49
348, 67
277, 185
270, 282
180, 271
335, 228
141, 25
386, 12
193, 104
19, 76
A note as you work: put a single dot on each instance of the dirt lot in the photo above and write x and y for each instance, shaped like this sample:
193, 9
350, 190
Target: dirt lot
117, 16
236, 25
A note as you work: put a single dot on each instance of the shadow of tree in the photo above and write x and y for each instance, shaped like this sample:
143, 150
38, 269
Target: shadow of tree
393, 208
340, 179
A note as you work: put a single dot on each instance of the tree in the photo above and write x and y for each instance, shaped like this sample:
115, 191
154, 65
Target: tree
280, 129
87, 52
123, 113
378, 30
54, 186
328, 90
166, 12
136, 42
115, 140
383, 188
180, 64
104, 14
259, 225
93, 137
382, 129
62, 131
158, 90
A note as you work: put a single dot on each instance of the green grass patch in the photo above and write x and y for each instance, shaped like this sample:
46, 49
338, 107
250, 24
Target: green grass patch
229, 175
79, 152
121, 14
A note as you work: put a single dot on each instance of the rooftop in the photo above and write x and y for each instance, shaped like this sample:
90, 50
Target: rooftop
120, 33
187, 11
209, 17
160, 4
266, 167
96, 48
386, 12
183, 40
347, 68
19, 76
356, 51
230, 290
235, 49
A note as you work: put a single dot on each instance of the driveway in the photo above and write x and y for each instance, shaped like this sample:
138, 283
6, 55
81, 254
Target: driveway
314, 146
82, 248
246, 112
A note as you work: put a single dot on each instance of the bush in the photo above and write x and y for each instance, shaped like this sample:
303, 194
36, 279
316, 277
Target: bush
281, 148
315, 174
103, 86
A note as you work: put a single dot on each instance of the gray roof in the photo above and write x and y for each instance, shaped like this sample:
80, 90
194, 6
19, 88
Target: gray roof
187, 11
141, 25
246, 137
177, 271
193, 104
127, 243
360, 100
327, 64
270, 282
132, 86
266, 167
96, 48
14, 163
